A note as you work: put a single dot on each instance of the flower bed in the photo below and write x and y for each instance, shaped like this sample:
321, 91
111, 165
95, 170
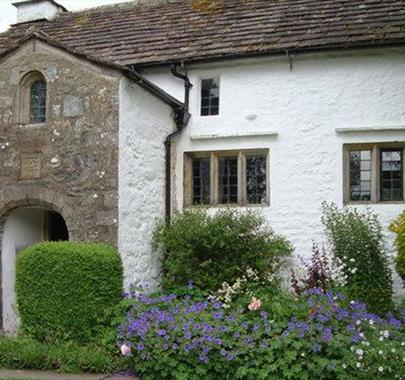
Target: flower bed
187, 336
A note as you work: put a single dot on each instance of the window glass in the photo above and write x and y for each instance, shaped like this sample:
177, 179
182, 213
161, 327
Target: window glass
38, 102
228, 179
201, 180
209, 97
360, 175
391, 174
256, 179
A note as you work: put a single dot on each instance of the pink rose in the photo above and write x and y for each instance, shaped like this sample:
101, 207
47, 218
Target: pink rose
255, 304
126, 350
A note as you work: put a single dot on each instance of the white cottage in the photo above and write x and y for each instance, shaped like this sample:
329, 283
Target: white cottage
113, 117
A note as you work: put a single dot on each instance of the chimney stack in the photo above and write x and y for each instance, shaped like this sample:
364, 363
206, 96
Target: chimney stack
33, 10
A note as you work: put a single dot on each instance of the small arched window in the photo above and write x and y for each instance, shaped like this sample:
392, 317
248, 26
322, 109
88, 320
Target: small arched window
33, 98
38, 102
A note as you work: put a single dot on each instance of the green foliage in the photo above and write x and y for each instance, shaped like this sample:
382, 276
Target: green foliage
356, 240
67, 290
26, 353
212, 249
316, 336
398, 226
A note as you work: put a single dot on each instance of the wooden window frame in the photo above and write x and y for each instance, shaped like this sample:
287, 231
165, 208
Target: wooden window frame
375, 149
214, 188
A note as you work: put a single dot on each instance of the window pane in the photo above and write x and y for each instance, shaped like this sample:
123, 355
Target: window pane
256, 179
360, 175
38, 102
228, 179
209, 97
201, 181
391, 174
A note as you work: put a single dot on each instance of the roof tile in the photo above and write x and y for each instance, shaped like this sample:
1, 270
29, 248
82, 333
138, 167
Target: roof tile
139, 33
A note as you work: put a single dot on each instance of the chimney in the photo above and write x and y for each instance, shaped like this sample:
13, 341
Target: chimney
32, 10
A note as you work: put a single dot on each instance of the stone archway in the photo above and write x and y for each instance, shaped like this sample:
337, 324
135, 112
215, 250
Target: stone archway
23, 224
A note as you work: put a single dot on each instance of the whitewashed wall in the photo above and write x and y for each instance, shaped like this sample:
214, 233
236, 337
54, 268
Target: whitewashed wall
144, 124
37, 11
304, 106
23, 228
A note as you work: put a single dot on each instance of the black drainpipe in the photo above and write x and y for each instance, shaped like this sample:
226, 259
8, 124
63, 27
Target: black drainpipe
182, 118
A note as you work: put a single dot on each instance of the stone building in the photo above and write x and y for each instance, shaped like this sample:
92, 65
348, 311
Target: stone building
114, 117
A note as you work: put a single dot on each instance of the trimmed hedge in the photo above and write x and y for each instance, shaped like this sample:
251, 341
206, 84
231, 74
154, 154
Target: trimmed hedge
67, 290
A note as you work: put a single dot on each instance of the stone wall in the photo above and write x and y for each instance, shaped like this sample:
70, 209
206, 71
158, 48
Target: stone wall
69, 163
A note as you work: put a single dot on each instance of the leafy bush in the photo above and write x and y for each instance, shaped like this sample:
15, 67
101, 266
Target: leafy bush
26, 353
398, 226
356, 239
166, 336
67, 290
212, 249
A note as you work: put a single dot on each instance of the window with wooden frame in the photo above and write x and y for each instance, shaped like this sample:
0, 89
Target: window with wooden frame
373, 173
226, 178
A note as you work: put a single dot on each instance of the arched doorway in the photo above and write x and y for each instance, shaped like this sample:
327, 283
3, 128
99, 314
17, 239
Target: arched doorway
23, 228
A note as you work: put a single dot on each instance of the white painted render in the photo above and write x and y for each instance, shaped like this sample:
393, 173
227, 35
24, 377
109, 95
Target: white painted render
23, 228
302, 111
37, 10
144, 124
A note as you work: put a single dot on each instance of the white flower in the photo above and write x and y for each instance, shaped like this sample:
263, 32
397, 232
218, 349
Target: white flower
359, 352
352, 260
344, 365
380, 352
393, 350
386, 333
371, 322
358, 365
126, 350
380, 369
381, 338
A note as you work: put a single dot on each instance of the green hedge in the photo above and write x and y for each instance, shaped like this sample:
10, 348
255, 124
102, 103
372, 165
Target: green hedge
67, 290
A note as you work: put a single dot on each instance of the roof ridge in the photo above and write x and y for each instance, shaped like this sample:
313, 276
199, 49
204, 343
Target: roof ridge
121, 5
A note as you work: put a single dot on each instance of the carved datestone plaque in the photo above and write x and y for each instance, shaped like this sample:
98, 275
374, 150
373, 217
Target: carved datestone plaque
30, 166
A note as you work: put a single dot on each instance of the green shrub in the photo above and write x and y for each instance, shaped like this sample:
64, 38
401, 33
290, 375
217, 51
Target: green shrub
356, 240
26, 353
212, 249
67, 290
398, 226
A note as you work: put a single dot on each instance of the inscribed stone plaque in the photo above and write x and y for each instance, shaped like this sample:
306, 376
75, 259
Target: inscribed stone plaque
30, 166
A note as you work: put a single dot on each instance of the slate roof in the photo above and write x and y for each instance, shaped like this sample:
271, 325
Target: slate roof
149, 33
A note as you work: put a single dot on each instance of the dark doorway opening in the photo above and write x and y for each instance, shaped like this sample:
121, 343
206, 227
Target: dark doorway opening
55, 227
